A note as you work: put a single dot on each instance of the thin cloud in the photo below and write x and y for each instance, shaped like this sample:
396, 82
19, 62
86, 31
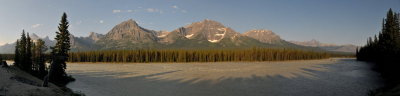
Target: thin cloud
116, 11
184, 11
175, 7
36, 25
178, 9
101, 21
78, 22
151, 10
123, 11
154, 10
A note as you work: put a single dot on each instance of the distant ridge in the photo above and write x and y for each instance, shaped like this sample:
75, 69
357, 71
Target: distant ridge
265, 36
329, 47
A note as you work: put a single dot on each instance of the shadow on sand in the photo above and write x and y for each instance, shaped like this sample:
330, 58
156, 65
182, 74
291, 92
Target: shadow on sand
345, 77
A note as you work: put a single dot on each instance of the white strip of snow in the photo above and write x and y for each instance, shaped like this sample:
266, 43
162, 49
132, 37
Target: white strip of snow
220, 34
161, 36
188, 36
222, 29
213, 41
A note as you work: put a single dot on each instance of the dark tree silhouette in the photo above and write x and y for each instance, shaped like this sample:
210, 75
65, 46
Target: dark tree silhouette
60, 54
24, 58
384, 49
28, 55
39, 58
17, 53
384, 52
22, 51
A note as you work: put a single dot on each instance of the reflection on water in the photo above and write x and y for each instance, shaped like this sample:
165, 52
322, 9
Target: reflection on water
312, 77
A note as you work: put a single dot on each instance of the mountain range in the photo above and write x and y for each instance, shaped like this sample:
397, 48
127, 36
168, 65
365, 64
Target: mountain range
206, 34
326, 46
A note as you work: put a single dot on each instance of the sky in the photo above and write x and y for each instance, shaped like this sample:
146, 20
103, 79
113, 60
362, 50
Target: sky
329, 21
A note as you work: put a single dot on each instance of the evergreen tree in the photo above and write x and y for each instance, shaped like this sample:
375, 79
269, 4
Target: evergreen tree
390, 32
17, 53
39, 58
22, 51
384, 49
60, 53
28, 55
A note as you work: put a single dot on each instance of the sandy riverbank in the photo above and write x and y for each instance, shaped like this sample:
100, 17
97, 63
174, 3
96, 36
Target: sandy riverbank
326, 77
200, 71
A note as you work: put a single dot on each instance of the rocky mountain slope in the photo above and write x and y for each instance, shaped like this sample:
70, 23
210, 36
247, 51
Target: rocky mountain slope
326, 46
312, 43
265, 36
126, 35
206, 34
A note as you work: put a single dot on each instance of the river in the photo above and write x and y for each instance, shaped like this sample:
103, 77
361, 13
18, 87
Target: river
328, 77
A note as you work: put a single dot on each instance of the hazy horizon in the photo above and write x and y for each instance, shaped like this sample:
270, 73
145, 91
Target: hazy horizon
339, 22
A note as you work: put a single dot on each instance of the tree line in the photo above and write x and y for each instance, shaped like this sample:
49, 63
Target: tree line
29, 55
7, 56
384, 49
175, 55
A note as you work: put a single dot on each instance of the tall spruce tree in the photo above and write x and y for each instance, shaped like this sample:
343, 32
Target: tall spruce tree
22, 51
390, 34
60, 52
28, 55
1, 59
17, 53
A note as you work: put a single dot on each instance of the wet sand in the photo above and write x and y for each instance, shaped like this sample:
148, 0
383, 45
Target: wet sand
328, 77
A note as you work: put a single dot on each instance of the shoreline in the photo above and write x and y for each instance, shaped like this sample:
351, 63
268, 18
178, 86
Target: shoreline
203, 62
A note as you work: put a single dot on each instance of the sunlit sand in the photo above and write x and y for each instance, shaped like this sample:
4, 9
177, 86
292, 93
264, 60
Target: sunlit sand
195, 72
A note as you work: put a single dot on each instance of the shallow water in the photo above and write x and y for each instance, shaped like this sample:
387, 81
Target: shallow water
329, 77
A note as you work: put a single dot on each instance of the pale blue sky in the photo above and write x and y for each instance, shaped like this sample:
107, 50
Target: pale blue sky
330, 21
